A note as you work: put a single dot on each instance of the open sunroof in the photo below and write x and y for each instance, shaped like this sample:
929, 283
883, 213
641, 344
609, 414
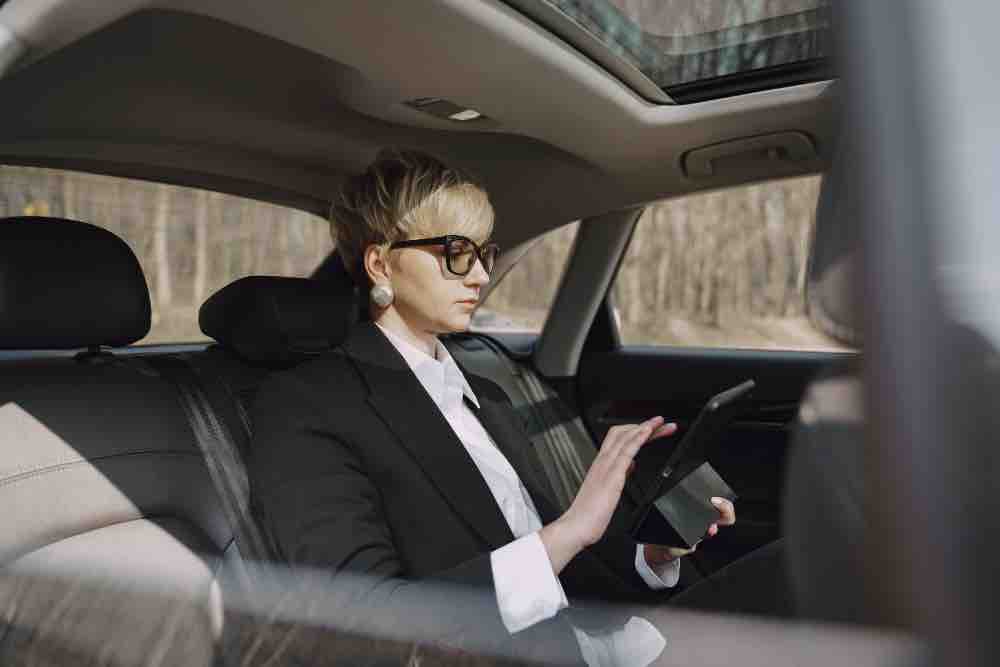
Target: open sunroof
701, 49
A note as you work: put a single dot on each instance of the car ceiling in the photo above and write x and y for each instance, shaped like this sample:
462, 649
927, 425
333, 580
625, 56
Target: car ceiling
279, 100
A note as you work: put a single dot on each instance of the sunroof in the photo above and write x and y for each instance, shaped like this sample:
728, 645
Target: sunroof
698, 49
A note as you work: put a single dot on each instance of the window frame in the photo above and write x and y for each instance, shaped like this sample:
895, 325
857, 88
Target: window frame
612, 318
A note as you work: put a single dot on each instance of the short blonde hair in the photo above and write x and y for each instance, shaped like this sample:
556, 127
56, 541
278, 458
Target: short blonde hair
405, 194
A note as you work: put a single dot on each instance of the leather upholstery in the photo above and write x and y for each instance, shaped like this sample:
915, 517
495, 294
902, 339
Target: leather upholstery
100, 472
279, 320
68, 285
88, 446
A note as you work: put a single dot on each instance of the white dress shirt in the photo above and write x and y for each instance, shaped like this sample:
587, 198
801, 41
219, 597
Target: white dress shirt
527, 589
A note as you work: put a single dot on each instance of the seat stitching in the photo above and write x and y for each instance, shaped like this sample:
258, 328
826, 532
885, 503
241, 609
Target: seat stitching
21, 476
149, 518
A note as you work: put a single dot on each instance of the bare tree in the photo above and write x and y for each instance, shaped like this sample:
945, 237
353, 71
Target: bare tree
161, 221
201, 206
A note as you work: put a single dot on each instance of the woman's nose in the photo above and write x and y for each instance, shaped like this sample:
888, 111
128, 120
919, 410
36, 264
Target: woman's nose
478, 275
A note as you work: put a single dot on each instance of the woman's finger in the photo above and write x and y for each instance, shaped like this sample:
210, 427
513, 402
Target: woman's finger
629, 445
664, 430
639, 438
727, 511
613, 439
618, 433
629, 432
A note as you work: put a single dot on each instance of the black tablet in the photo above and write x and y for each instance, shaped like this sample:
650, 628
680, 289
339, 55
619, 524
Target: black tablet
711, 421
677, 510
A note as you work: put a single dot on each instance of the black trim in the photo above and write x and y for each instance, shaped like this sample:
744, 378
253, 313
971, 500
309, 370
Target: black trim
778, 76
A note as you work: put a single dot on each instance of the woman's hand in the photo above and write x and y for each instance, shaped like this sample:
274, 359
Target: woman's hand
656, 554
587, 518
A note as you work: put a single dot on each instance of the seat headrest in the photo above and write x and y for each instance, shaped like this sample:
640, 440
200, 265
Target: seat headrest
66, 285
278, 320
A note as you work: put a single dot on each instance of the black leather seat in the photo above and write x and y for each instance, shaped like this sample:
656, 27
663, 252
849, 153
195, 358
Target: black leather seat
262, 324
100, 472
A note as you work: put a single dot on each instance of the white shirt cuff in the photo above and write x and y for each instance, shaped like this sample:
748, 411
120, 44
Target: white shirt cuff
664, 576
636, 645
527, 589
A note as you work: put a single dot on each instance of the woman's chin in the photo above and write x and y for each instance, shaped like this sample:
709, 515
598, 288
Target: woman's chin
458, 323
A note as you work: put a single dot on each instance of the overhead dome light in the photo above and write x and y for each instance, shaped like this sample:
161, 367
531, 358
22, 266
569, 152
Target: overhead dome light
435, 106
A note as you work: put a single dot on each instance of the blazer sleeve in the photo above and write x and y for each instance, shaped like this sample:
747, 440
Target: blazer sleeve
312, 495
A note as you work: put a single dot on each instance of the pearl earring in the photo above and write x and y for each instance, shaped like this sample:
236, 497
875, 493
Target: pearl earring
382, 295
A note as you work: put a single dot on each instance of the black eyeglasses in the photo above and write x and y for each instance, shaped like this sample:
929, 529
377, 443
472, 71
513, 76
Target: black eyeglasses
460, 252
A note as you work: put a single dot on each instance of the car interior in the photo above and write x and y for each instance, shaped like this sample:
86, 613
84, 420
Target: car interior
121, 455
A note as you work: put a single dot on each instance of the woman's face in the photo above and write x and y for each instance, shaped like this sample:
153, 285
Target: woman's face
429, 297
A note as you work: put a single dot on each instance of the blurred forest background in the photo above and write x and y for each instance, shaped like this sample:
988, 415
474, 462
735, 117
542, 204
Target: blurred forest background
722, 269
189, 242
719, 269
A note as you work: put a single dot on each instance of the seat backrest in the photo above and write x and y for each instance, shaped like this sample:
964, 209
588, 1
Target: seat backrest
264, 323
100, 471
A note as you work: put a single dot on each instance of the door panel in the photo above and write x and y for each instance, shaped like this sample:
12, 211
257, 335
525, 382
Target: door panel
629, 384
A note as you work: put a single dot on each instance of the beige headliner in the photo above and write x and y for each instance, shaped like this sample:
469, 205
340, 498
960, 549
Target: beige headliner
278, 99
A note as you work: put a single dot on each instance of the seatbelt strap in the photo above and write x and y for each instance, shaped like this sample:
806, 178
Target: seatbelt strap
224, 462
561, 442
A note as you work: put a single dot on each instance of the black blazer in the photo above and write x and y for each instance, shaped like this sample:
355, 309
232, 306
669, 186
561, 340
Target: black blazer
354, 468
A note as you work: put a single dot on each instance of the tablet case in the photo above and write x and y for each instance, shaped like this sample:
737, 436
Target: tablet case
680, 517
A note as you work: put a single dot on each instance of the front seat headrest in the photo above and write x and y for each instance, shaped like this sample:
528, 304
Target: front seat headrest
68, 285
279, 320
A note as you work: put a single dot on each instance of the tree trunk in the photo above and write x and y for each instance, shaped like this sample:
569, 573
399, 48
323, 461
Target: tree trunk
201, 205
161, 254
69, 196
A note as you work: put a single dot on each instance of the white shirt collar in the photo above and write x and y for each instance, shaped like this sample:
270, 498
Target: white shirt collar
437, 374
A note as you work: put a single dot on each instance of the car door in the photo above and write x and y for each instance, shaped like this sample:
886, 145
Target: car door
711, 292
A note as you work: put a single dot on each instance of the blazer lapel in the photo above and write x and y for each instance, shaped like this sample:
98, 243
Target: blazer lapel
400, 400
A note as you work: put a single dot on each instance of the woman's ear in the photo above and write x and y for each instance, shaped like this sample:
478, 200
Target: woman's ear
376, 265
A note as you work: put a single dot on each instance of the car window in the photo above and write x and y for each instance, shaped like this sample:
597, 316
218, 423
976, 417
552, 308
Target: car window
676, 43
521, 301
189, 242
722, 269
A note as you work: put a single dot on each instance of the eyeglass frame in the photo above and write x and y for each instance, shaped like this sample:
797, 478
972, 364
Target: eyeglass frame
443, 241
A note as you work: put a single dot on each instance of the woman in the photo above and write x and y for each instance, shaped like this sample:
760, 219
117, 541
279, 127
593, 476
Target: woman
385, 458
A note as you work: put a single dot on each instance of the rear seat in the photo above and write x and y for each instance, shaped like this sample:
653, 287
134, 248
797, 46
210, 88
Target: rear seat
100, 472
262, 324
100, 463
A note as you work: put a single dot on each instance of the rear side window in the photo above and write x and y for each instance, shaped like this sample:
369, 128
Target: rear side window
189, 242
521, 301
725, 269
